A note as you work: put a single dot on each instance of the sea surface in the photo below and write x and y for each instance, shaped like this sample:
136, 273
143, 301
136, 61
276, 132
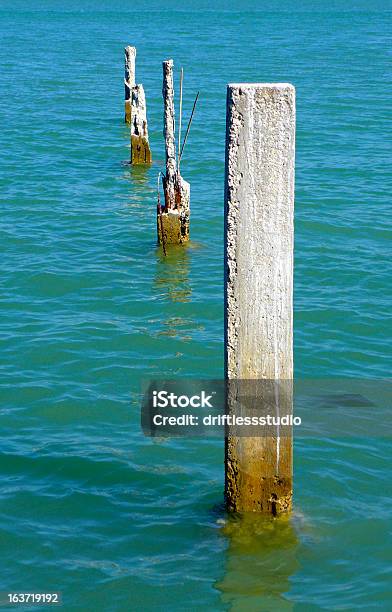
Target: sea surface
89, 506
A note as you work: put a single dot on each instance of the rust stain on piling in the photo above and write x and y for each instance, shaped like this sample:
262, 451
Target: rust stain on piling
128, 113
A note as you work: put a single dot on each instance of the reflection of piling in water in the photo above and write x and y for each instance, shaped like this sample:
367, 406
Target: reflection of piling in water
136, 112
139, 175
260, 560
172, 274
259, 201
173, 217
173, 285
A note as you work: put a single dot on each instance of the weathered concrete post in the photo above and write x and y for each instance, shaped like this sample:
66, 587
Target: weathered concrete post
129, 79
136, 112
259, 207
173, 220
169, 133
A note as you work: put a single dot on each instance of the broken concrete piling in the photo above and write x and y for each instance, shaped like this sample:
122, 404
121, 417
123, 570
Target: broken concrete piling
259, 208
136, 112
129, 79
173, 217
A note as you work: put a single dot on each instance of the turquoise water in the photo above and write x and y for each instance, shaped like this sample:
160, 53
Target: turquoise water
88, 506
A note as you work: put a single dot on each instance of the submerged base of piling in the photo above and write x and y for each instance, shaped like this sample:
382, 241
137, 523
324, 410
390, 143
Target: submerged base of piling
173, 223
141, 152
257, 486
172, 227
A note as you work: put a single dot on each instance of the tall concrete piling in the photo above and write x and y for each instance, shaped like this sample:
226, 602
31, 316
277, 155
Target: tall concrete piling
173, 217
135, 111
259, 210
129, 79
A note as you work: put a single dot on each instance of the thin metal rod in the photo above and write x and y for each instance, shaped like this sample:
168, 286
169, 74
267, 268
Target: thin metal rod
180, 120
189, 126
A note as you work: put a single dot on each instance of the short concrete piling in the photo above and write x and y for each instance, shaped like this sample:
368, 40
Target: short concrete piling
136, 112
173, 217
259, 209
